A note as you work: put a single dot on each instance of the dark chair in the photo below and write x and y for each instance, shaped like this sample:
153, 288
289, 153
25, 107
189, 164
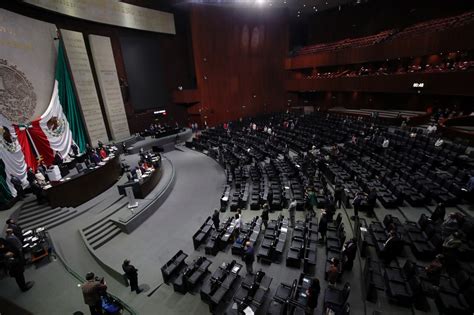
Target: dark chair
335, 298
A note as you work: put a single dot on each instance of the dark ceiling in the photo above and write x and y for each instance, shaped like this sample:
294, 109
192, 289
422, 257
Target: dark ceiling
297, 8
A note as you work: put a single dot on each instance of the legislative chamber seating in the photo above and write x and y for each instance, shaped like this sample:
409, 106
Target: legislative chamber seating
173, 266
191, 275
291, 298
214, 291
219, 239
273, 242
203, 233
252, 293
249, 232
336, 299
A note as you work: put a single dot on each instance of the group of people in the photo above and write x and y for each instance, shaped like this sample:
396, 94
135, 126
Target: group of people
94, 289
11, 255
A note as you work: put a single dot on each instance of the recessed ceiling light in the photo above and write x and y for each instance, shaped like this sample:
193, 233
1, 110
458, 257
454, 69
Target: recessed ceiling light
304, 5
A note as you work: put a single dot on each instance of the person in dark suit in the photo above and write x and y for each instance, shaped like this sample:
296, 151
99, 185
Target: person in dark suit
13, 241
390, 247
338, 195
75, 149
349, 253
371, 203
438, 213
58, 159
249, 257
30, 175
92, 290
17, 230
132, 275
215, 219
323, 225
265, 216
313, 295
270, 198
16, 268
18, 186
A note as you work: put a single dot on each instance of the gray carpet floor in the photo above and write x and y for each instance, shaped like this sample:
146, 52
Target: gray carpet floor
198, 187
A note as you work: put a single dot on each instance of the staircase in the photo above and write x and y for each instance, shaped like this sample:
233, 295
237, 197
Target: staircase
100, 233
33, 215
103, 230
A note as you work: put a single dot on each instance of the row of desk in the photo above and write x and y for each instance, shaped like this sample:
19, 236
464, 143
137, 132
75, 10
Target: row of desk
80, 188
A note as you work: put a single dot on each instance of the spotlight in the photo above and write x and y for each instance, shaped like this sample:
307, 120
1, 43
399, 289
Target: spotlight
260, 2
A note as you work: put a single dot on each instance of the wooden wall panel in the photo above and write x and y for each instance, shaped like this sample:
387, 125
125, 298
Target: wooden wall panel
432, 43
239, 61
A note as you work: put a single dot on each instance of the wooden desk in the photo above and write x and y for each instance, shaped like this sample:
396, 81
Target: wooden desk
85, 185
144, 186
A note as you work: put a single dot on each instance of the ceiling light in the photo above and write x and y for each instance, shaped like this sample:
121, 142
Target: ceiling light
304, 5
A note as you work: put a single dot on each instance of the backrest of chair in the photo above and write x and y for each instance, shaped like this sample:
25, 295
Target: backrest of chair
346, 291
338, 219
346, 310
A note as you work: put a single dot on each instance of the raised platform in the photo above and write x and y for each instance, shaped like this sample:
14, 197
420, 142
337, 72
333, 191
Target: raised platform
84, 186
150, 142
117, 218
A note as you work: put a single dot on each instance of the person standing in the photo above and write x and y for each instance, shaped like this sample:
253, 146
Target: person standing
14, 241
291, 211
313, 294
249, 257
18, 186
16, 268
265, 215
312, 201
357, 203
270, 198
92, 291
238, 223
132, 275
17, 230
215, 219
338, 195
323, 225
333, 272
371, 203
438, 213
349, 253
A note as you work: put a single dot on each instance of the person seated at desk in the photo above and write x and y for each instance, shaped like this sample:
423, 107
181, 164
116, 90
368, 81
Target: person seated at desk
75, 150
138, 173
58, 159
40, 179
30, 175
333, 272
102, 153
95, 158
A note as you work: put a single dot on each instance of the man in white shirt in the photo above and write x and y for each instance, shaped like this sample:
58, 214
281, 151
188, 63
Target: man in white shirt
238, 222
439, 143
385, 143
291, 211
431, 129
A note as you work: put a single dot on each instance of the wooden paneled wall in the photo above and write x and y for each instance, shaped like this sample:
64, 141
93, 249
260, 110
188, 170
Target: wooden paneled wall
239, 61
